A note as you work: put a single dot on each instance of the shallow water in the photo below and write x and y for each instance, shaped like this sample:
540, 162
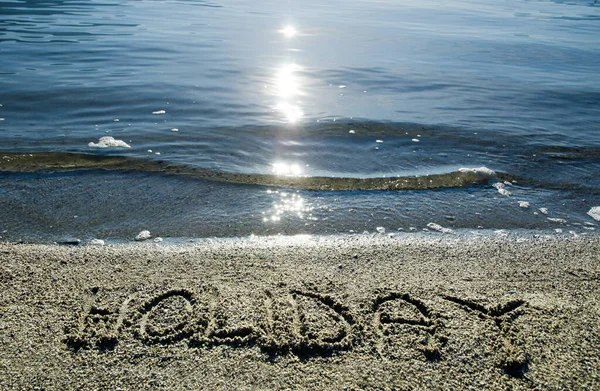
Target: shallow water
359, 89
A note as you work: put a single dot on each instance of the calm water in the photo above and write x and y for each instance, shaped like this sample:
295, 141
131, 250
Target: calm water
353, 89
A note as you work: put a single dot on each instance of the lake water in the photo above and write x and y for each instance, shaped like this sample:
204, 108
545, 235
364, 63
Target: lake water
249, 92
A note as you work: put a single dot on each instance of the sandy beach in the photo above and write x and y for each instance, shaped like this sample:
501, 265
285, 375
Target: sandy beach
420, 312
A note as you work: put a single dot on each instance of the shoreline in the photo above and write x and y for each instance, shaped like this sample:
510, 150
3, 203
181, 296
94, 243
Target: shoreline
407, 312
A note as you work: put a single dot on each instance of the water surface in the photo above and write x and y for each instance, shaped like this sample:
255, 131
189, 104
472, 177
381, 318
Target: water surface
353, 89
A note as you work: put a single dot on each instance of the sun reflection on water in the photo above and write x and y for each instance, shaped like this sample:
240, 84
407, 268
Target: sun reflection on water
289, 169
286, 81
289, 31
287, 85
287, 205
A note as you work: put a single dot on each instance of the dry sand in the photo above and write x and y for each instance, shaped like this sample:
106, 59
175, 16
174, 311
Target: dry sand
354, 313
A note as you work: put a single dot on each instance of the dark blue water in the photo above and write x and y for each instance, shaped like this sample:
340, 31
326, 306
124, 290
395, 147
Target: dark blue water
355, 89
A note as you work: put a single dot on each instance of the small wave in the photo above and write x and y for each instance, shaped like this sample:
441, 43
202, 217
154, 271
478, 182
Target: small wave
58, 161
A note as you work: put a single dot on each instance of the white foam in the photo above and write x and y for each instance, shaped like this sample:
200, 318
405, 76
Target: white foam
352, 131
158, 239
96, 242
543, 211
416, 140
594, 213
524, 204
379, 141
108, 141
144, 235
439, 228
158, 112
381, 230
174, 130
481, 171
557, 220
501, 189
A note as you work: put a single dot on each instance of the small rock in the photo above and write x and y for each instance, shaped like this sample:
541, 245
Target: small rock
524, 204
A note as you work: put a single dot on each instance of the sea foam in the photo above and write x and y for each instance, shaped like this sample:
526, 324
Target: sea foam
108, 141
594, 213
481, 171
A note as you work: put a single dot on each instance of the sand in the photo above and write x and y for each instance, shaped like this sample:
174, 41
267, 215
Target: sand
331, 313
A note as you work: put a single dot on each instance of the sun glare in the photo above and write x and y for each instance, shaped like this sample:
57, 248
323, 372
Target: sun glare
291, 112
288, 31
287, 82
282, 168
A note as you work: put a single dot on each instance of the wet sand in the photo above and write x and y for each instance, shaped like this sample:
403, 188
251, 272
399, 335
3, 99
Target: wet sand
333, 313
